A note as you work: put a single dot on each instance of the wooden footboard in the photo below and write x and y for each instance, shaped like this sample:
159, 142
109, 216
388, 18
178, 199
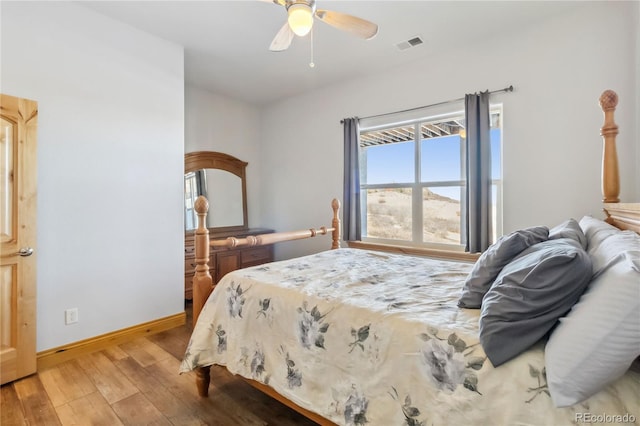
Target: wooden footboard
203, 283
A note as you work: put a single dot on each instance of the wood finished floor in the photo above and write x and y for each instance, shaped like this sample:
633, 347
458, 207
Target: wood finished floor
137, 383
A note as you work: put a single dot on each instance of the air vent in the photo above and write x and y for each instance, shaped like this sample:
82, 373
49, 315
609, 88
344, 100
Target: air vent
412, 42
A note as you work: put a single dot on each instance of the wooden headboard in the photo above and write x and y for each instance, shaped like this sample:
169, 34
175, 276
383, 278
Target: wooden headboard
620, 215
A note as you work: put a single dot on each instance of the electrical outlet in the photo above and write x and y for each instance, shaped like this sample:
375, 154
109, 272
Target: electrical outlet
71, 316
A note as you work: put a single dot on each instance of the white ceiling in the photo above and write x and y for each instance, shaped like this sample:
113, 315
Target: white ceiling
227, 42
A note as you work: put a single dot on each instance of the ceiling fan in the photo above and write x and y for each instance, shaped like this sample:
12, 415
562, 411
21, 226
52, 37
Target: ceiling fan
300, 20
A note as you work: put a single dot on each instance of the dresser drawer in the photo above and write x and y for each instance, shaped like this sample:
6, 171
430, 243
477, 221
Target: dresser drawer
189, 266
256, 256
189, 245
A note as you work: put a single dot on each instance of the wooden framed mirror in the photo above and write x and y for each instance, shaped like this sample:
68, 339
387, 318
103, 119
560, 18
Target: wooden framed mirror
222, 179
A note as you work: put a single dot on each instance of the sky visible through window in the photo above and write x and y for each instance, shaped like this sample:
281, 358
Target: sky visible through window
393, 163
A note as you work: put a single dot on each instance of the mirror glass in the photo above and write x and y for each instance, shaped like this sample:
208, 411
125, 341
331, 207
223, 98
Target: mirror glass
222, 189
221, 178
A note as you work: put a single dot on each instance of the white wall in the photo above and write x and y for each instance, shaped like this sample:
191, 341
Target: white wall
218, 123
110, 166
552, 146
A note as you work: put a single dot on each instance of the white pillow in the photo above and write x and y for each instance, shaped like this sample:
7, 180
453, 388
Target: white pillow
596, 231
597, 341
612, 248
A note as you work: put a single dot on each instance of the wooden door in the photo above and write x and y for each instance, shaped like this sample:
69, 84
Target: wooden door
18, 134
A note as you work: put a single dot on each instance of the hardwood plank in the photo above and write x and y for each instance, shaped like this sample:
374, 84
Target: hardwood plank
66, 382
10, 407
157, 393
213, 410
35, 401
109, 380
145, 352
115, 353
173, 341
137, 410
144, 380
91, 409
168, 371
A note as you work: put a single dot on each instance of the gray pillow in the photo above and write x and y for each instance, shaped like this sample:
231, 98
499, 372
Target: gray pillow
491, 262
569, 229
530, 294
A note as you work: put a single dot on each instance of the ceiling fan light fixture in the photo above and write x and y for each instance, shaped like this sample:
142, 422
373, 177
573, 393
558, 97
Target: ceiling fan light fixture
300, 18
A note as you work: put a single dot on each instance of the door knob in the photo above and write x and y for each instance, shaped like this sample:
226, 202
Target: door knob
25, 251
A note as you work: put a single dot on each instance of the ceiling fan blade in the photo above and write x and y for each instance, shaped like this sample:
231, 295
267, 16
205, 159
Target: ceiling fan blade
283, 39
356, 26
279, 2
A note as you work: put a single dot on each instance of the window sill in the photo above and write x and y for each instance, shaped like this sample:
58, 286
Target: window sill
416, 251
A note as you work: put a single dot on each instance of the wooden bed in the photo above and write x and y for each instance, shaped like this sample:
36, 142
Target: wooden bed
620, 215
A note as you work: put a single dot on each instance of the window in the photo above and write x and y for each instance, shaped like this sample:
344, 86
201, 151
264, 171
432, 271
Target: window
412, 181
190, 195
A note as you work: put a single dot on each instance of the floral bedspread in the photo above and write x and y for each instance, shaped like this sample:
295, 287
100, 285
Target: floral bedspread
362, 337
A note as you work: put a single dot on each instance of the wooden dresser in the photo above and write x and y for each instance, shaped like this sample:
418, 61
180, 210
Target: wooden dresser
224, 260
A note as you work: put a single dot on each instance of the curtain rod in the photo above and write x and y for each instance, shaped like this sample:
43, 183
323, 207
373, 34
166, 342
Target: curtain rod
506, 89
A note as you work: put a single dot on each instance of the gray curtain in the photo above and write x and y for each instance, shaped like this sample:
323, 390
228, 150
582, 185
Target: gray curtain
351, 226
201, 183
478, 217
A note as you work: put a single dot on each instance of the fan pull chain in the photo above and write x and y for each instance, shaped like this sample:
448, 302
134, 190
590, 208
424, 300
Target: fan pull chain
311, 63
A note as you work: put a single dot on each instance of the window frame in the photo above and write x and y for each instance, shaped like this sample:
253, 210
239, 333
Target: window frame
417, 186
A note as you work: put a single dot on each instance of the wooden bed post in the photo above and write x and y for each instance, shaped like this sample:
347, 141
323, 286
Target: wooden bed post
335, 224
609, 130
202, 283
620, 215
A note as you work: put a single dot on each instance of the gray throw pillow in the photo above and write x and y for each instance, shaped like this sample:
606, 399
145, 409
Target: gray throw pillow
491, 262
529, 295
569, 229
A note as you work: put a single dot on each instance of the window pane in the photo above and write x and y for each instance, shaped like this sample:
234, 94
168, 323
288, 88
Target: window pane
389, 213
387, 159
441, 214
389, 163
441, 158
496, 147
190, 195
